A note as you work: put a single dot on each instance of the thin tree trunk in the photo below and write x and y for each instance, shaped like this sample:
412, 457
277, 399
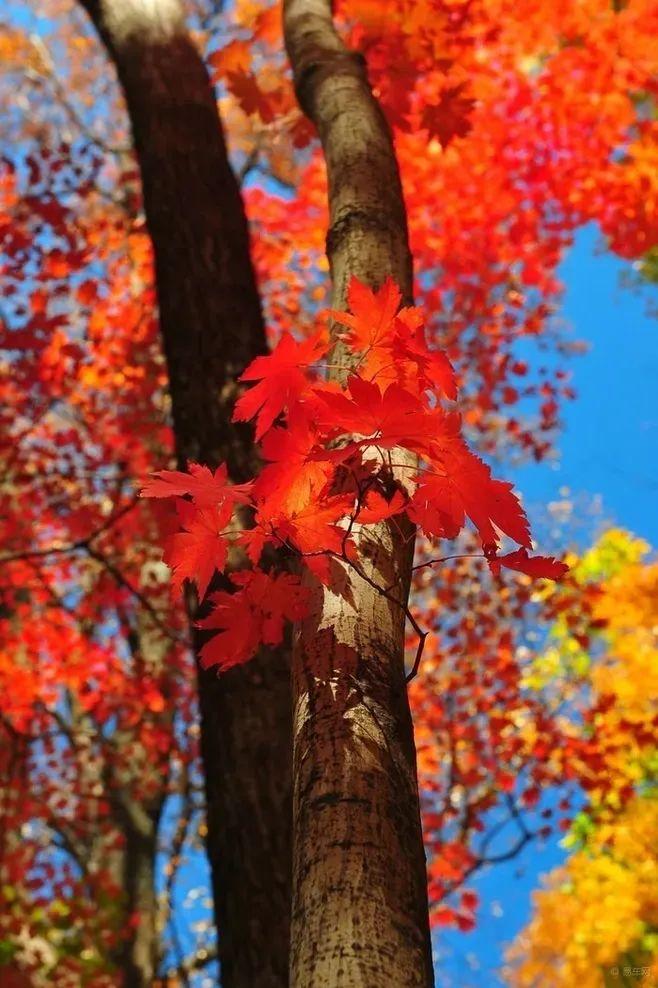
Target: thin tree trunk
137, 955
212, 328
140, 957
360, 915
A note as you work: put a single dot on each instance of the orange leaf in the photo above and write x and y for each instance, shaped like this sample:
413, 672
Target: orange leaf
235, 57
372, 313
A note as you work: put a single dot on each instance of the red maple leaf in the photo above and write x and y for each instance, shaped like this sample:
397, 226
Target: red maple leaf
376, 508
372, 314
253, 99
437, 507
493, 501
462, 484
444, 916
255, 613
201, 548
314, 528
292, 476
392, 418
282, 377
433, 366
204, 487
450, 117
539, 566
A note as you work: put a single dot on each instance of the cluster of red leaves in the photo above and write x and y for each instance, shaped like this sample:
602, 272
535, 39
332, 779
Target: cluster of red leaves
338, 459
90, 642
494, 751
515, 124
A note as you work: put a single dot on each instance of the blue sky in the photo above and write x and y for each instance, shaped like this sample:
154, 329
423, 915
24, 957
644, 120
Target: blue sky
610, 437
608, 448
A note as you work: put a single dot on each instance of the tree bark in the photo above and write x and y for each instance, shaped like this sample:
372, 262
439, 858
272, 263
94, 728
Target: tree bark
359, 914
212, 327
137, 955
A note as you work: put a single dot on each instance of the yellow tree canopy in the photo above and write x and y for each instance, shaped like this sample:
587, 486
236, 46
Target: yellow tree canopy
596, 921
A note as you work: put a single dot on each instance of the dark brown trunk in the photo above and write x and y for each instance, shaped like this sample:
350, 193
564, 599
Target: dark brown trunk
211, 325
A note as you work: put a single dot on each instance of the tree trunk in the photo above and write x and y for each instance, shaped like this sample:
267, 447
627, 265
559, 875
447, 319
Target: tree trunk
212, 327
140, 957
360, 915
138, 954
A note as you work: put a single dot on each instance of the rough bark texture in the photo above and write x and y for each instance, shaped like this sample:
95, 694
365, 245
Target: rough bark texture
212, 327
360, 916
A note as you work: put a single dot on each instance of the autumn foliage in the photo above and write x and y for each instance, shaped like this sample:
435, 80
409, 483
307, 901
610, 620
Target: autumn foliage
337, 458
597, 913
515, 125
